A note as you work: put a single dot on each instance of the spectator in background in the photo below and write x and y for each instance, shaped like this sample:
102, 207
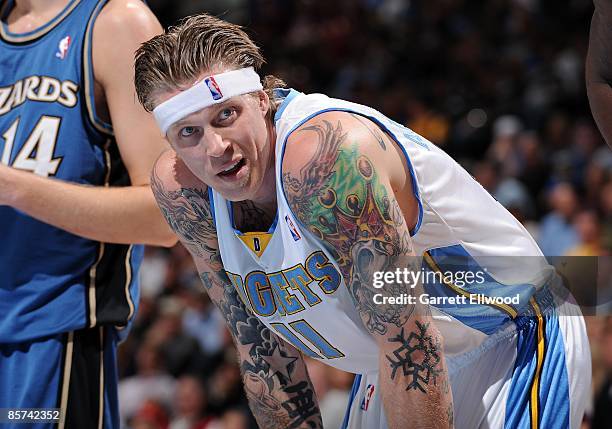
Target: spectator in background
598, 172
190, 405
510, 193
606, 208
534, 169
557, 233
426, 122
225, 385
233, 418
503, 149
155, 267
202, 321
586, 224
151, 415
181, 351
151, 382
585, 140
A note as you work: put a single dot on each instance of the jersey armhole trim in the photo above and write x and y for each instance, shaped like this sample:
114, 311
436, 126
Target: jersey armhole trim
88, 75
289, 95
351, 400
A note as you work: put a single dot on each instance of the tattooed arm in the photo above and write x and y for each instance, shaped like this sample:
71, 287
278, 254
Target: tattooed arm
341, 176
274, 374
599, 67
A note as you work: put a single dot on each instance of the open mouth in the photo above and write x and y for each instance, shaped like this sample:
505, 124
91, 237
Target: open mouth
232, 170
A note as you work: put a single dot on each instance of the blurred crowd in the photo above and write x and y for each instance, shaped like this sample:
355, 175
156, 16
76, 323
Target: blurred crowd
498, 84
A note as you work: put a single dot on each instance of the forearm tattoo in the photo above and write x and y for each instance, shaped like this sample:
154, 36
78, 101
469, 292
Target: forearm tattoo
418, 357
268, 369
188, 213
339, 197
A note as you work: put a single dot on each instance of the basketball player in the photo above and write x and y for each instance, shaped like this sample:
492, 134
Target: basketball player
68, 277
304, 214
599, 67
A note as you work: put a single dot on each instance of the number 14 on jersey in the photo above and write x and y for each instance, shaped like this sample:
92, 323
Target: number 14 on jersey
37, 153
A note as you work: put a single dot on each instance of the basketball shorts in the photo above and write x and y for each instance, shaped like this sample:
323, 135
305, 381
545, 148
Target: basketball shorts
535, 372
75, 371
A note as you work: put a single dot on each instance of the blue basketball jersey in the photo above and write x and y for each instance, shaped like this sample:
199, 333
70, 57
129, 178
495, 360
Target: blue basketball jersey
52, 281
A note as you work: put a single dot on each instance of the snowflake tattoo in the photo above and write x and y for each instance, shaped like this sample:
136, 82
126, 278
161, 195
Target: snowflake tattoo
418, 357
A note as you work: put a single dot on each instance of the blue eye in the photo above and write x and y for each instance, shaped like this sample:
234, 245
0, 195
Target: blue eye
187, 131
225, 114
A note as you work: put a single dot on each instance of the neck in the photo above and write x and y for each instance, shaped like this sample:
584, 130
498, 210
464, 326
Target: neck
266, 198
249, 217
265, 203
33, 6
31, 13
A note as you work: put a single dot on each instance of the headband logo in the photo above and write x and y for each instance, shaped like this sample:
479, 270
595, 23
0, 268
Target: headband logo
213, 87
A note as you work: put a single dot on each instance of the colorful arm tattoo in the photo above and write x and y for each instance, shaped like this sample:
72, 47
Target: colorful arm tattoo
339, 196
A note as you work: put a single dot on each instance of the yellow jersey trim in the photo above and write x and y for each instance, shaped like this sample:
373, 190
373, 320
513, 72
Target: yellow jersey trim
256, 241
534, 401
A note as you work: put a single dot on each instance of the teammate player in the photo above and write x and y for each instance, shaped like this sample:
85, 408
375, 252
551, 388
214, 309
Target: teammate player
304, 214
599, 67
68, 278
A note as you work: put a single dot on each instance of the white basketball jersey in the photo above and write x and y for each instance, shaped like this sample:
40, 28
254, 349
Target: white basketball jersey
288, 279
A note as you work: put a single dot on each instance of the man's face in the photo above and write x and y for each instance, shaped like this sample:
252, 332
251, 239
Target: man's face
227, 146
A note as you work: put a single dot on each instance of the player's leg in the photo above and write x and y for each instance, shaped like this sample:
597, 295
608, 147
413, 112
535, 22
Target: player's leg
92, 397
32, 375
577, 357
111, 379
551, 377
480, 381
521, 376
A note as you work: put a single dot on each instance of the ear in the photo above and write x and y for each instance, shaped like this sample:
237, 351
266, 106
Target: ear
264, 102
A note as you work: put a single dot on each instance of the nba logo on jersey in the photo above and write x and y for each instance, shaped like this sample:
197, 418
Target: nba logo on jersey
366, 399
62, 47
213, 87
294, 232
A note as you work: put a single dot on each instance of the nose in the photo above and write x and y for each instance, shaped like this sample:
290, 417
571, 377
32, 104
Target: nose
215, 145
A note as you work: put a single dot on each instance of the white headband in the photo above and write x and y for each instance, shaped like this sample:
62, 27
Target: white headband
211, 90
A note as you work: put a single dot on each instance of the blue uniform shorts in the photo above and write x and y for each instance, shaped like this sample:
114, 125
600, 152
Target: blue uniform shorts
75, 371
